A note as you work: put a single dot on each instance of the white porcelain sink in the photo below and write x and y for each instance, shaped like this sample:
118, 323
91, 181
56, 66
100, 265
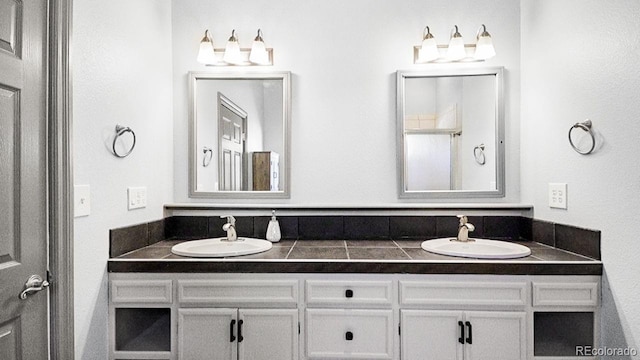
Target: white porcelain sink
478, 248
220, 247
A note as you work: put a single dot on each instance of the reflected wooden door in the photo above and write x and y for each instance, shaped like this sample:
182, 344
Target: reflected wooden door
23, 179
232, 129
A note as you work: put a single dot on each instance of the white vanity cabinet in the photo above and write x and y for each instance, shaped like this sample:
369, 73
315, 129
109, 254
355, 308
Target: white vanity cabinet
470, 335
230, 334
349, 319
463, 318
191, 316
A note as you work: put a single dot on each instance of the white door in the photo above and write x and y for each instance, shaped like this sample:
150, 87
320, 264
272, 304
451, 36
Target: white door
268, 334
495, 335
23, 179
232, 132
431, 335
207, 334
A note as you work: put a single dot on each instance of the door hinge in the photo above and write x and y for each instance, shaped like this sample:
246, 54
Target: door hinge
298, 328
49, 277
399, 329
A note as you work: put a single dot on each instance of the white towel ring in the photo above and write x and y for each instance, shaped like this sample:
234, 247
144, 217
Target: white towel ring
208, 155
120, 130
478, 154
585, 126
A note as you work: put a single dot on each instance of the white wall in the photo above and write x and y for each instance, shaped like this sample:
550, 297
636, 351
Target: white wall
478, 110
121, 75
343, 57
580, 60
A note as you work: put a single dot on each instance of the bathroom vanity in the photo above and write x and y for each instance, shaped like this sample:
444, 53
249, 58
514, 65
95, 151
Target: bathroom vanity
294, 302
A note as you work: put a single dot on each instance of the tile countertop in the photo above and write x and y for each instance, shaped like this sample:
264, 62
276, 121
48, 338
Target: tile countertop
355, 256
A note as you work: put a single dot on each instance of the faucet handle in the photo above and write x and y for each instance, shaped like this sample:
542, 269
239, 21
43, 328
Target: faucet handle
230, 219
463, 219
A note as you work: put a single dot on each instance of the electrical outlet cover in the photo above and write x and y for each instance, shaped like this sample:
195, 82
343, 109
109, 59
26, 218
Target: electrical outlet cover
558, 195
81, 200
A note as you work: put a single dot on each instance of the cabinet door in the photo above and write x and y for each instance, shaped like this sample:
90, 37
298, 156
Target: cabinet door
430, 335
268, 334
496, 336
207, 334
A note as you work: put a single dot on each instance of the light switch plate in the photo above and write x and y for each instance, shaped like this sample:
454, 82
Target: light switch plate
81, 200
558, 195
136, 197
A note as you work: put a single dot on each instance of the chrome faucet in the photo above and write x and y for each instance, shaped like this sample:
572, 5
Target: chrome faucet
464, 228
230, 227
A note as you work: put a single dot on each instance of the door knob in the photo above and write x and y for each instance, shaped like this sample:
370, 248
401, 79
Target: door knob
33, 285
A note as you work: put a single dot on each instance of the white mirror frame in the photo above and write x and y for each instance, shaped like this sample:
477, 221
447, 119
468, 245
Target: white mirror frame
286, 121
403, 193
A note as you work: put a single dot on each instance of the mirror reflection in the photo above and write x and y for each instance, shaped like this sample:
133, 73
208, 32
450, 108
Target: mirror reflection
450, 133
240, 135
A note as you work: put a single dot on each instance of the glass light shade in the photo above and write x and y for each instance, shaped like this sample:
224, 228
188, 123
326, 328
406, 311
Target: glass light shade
205, 53
456, 51
259, 54
429, 50
484, 48
232, 50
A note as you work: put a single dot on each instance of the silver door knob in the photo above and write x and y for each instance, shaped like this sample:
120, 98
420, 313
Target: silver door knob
33, 285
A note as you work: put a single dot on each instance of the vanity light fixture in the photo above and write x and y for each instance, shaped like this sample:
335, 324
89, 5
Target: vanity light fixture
233, 54
232, 50
206, 54
429, 49
259, 54
484, 45
456, 50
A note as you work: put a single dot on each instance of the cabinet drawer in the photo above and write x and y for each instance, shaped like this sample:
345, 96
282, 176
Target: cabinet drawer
346, 293
565, 294
239, 292
349, 334
510, 294
142, 291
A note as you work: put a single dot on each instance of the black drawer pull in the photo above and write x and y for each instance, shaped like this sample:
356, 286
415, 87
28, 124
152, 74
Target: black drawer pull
348, 293
240, 337
461, 338
348, 336
470, 335
232, 338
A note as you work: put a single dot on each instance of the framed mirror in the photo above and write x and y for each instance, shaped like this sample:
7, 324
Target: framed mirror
450, 133
239, 135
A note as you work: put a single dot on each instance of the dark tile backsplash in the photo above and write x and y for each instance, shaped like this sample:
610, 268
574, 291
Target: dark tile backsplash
501, 227
321, 227
578, 240
126, 239
412, 227
189, 227
543, 232
366, 227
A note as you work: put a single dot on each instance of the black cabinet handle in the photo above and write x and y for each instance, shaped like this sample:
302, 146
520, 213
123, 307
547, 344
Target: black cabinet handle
348, 336
348, 293
461, 338
232, 338
240, 337
470, 333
